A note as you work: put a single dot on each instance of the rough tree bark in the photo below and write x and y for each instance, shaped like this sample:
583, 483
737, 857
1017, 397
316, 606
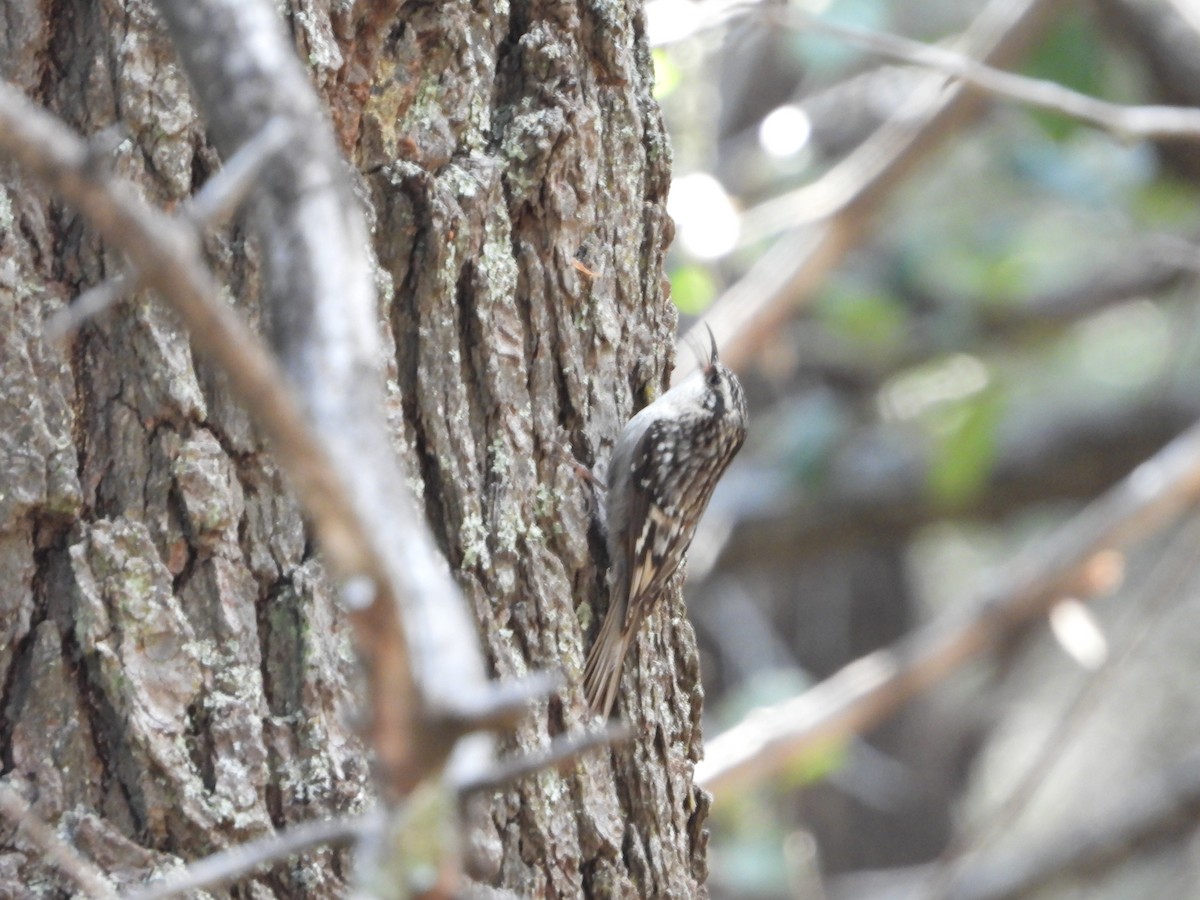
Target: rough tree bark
174, 674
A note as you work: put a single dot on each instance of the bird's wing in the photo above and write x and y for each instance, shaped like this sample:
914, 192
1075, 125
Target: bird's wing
651, 531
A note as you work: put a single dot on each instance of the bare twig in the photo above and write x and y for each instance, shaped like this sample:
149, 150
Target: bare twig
55, 851
753, 308
506, 702
812, 203
561, 750
166, 254
870, 689
243, 859
1146, 122
1153, 122
1161, 588
89, 304
1160, 806
224, 193
319, 287
212, 205
875, 485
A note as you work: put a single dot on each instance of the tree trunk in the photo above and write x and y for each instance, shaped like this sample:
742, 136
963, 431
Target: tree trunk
174, 672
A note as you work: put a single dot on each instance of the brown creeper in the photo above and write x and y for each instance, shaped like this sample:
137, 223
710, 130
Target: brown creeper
663, 469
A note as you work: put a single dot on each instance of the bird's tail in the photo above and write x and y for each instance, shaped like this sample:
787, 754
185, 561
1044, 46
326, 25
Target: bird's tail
602, 672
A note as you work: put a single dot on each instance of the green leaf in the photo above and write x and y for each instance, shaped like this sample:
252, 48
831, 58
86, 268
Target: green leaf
817, 763
666, 74
965, 448
1166, 201
693, 289
1070, 55
867, 317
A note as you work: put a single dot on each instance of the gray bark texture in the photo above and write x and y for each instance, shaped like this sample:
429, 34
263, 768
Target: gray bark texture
175, 676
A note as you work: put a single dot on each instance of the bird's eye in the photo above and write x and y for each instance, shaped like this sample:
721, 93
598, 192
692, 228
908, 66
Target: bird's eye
714, 377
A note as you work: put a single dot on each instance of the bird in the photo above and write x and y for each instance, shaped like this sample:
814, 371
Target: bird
661, 474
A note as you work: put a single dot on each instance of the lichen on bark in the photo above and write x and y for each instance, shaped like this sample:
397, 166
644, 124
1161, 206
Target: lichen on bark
191, 664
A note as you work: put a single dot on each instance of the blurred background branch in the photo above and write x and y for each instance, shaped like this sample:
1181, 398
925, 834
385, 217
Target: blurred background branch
1070, 563
972, 330
844, 200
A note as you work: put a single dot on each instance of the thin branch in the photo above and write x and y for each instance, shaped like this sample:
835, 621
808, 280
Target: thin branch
1160, 589
1162, 806
166, 254
502, 706
319, 289
562, 750
239, 861
874, 483
812, 203
231, 185
55, 851
209, 208
753, 309
1127, 122
1151, 122
872, 688
90, 304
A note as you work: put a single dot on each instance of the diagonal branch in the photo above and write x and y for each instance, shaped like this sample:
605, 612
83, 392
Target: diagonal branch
1161, 588
1158, 808
870, 689
320, 300
54, 850
166, 255
846, 198
1151, 122
243, 859
213, 204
